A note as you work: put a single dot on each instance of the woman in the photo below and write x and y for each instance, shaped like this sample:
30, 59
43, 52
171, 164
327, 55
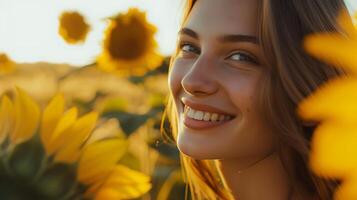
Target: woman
235, 82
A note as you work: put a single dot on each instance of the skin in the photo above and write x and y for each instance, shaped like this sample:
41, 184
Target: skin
228, 75
209, 71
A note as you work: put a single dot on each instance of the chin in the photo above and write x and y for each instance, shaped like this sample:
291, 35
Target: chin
193, 150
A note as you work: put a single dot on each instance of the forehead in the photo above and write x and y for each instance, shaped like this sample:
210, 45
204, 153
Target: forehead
217, 17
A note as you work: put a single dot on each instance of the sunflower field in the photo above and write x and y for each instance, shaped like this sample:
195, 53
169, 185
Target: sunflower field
90, 132
95, 131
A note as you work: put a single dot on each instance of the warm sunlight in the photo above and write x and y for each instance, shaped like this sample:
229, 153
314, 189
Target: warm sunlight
29, 29
117, 99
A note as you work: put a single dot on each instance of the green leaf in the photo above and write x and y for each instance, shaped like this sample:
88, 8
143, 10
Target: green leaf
26, 159
57, 181
166, 149
129, 122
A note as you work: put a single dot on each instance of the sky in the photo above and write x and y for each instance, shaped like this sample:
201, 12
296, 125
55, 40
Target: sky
29, 28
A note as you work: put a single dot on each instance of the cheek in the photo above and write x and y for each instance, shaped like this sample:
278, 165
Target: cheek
177, 72
242, 90
253, 133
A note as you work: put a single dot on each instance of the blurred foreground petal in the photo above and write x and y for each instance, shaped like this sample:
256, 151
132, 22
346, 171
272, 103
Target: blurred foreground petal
27, 116
124, 183
335, 100
57, 161
69, 151
334, 143
334, 49
347, 191
99, 159
6, 118
334, 149
51, 115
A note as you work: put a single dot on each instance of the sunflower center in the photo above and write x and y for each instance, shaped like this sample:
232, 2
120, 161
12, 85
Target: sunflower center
73, 25
128, 41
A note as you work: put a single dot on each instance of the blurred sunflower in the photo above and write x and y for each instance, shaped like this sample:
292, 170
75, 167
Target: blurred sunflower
129, 46
6, 64
73, 27
49, 157
334, 141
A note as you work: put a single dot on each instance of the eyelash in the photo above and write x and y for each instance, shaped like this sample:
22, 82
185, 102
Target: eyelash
193, 46
245, 57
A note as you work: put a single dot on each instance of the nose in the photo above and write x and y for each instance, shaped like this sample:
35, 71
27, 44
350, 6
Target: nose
199, 80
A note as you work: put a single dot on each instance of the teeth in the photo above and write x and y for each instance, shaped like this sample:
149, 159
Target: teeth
198, 115
191, 113
205, 116
214, 117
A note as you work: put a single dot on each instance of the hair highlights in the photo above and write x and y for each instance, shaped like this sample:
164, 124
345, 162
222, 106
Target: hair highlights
292, 75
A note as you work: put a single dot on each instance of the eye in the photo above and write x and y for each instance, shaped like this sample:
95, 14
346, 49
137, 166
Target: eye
189, 48
245, 57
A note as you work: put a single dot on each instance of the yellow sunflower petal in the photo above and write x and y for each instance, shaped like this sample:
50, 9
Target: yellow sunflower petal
334, 149
108, 193
336, 100
108, 129
72, 139
99, 158
125, 183
6, 118
51, 116
65, 123
337, 49
347, 191
334, 49
27, 115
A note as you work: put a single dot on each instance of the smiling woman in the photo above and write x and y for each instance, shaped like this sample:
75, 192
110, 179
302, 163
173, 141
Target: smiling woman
235, 82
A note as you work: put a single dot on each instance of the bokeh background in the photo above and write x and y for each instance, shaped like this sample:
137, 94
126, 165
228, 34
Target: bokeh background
108, 56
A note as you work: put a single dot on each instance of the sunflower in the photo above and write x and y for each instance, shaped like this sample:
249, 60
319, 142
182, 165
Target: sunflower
46, 155
334, 141
6, 64
73, 27
129, 47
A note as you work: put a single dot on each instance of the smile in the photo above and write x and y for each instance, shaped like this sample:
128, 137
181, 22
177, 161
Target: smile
204, 115
197, 119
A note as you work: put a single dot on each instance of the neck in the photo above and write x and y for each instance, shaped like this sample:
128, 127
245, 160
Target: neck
256, 179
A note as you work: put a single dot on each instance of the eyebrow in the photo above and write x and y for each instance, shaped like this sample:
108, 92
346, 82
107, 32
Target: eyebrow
190, 32
225, 38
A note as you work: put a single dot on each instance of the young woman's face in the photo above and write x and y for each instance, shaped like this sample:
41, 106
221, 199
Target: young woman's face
217, 75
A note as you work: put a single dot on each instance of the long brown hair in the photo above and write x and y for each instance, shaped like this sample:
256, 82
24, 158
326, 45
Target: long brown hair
292, 76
